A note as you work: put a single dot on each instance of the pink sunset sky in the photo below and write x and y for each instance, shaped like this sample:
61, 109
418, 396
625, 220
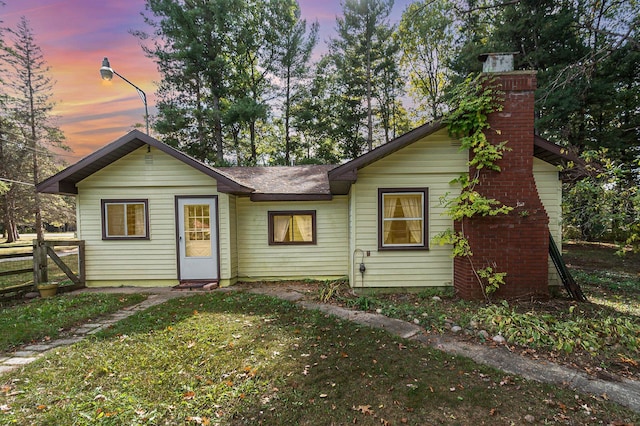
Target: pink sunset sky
75, 35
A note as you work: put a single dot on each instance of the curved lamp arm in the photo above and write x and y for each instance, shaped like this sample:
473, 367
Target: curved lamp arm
106, 72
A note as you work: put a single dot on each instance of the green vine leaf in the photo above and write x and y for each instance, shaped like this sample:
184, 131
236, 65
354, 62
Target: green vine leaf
460, 244
475, 99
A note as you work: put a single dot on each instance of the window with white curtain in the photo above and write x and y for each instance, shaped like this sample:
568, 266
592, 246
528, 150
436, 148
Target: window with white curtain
125, 219
292, 227
402, 218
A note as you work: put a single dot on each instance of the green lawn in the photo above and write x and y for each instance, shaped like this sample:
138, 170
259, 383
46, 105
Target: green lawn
238, 358
24, 323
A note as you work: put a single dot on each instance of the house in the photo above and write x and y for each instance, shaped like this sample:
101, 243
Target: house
152, 216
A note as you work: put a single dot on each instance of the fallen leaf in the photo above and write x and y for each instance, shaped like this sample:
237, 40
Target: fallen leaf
364, 409
41, 407
628, 360
188, 395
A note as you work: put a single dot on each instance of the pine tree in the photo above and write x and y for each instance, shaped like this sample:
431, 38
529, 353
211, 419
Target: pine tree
31, 108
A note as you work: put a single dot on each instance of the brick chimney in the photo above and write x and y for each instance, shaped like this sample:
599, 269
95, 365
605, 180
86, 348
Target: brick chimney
516, 243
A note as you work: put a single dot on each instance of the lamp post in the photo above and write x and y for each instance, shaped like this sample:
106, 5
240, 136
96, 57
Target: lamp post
106, 72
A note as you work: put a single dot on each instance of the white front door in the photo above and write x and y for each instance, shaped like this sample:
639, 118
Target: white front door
197, 238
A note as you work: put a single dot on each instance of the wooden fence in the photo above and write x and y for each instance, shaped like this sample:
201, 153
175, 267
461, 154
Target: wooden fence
14, 271
39, 264
42, 250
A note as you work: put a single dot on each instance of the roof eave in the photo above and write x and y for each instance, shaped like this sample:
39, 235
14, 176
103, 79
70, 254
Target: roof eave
290, 197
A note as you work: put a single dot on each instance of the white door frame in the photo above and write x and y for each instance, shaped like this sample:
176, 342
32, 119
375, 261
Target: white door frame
197, 268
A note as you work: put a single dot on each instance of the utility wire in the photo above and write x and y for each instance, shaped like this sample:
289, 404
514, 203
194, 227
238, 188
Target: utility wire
16, 181
43, 152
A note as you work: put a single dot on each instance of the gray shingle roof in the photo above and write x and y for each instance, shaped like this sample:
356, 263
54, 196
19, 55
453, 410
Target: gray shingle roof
311, 180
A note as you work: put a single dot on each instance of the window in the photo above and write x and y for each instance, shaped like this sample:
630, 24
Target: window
197, 230
125, 219
292, 227
402, 218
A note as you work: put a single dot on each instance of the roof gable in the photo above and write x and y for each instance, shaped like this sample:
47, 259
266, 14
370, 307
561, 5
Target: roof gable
64, 182
341, 177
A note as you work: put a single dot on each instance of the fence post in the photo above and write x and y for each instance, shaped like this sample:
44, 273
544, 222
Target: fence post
39, 262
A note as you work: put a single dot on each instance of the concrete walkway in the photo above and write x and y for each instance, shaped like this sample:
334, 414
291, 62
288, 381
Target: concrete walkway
624, 392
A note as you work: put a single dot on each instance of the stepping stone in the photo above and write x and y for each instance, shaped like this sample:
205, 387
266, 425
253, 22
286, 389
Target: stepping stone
39, 348
23, 354
65, 342
7, 368
20, 360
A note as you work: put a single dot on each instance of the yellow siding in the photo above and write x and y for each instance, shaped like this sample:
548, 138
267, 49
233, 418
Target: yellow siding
326, 259
431, 163
158, 179
550, 190
228, 240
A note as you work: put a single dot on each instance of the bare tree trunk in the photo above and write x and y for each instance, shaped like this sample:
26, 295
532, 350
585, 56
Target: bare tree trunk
217, 131
369, 110
252, 137
10, 225
287, 112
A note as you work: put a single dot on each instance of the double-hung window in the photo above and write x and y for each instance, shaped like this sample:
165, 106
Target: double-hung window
125, 219
402, 217
292, 227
